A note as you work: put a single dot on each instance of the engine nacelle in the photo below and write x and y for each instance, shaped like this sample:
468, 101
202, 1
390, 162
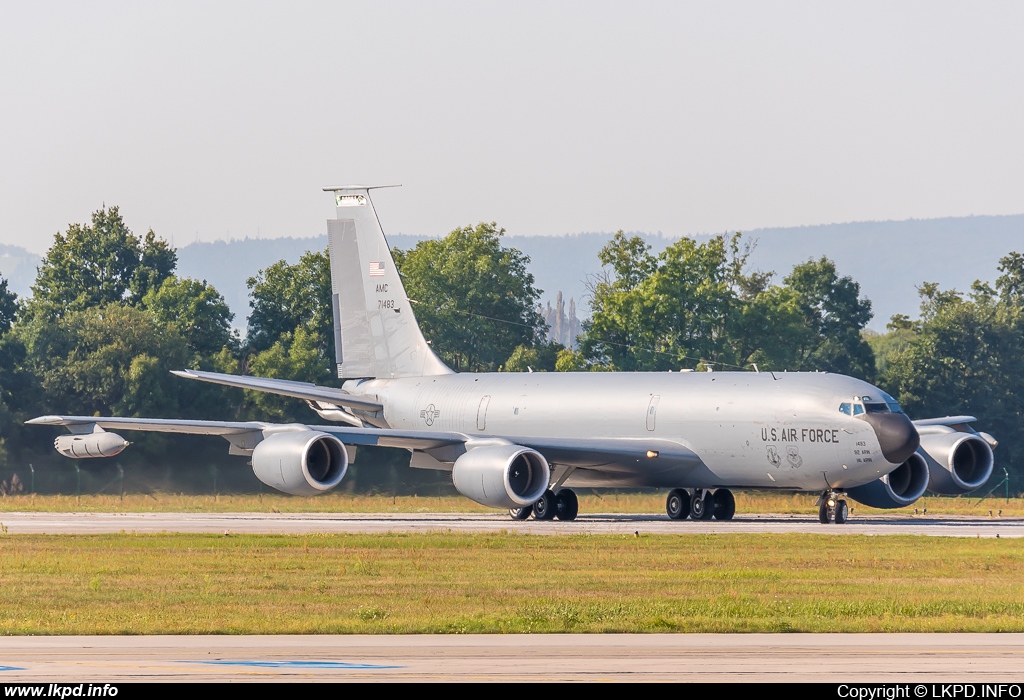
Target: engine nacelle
301, 462
958, 462
897, 489
502, 476
90, 445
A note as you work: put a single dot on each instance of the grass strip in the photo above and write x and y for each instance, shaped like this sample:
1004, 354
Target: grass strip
495, 583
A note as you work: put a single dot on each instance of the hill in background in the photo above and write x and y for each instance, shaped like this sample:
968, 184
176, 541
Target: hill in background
888, 258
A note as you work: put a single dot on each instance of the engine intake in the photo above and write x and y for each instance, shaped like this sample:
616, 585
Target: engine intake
897, 489
301, 462
958, 462
502, 476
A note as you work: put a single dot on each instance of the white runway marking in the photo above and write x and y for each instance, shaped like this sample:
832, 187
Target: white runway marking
832, 658
597, 524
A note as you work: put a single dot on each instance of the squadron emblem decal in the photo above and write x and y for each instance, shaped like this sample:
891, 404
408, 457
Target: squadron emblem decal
773, 456
429, 413
793, 455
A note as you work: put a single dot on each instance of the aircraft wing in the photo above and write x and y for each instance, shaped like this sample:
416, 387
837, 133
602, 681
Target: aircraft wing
951, 421
409, 439
621, 460
284, 387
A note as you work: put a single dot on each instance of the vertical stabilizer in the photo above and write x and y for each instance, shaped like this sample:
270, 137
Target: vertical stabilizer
375, 329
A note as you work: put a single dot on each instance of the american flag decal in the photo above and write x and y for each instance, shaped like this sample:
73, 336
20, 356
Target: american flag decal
376, 269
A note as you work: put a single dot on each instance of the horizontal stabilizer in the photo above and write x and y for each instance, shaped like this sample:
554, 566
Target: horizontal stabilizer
284, 387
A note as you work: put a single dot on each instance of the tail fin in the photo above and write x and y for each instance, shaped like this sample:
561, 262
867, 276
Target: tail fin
375, 330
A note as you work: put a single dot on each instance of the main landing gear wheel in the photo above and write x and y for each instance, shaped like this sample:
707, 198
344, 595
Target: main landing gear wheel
520, 513
702, 506
677, 505
546, 507
567, 505
725, 504
842, 512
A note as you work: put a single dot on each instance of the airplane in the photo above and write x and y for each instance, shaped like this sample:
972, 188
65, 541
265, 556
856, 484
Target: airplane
519, 441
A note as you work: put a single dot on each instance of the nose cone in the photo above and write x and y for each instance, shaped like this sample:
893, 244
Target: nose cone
896, 435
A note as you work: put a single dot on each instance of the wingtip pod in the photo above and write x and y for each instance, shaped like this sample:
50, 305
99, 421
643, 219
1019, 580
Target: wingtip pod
90, 445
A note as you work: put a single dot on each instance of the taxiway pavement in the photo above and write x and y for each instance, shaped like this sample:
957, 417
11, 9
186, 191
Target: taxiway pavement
833, 658
597, 524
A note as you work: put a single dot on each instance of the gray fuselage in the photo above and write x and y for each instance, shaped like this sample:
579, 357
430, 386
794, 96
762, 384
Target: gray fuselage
754, 430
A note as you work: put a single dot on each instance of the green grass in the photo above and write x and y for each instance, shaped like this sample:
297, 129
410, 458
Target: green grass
597, 502
460, 583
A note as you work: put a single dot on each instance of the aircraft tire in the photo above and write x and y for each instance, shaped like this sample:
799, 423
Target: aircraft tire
725, 504
520, 513
701, 505
546, 506
568, 505
677, 505
842, 512
823, 514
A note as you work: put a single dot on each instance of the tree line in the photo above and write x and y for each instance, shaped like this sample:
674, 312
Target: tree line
108, 318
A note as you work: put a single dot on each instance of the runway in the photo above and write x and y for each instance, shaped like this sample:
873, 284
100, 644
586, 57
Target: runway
833, 658
595, 524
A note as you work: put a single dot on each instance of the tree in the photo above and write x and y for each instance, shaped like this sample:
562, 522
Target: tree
475, 299
106, 360
284, 297
97, 264
672, 310
8, 307
965, 356
196, 310
835, 315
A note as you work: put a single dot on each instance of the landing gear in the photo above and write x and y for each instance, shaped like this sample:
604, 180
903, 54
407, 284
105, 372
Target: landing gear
546, 507
702, 505
520, 513
831, 508
842, 512
568, 506
677, 505
563, 505
725, 505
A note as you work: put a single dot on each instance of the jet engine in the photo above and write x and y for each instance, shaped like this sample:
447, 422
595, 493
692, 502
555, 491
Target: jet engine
502, 476
89, 445
900, 487
958, 462
301, 462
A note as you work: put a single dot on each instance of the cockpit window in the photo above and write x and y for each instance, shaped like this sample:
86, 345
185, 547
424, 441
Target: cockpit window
892, 403
858, 408
846, 408
876, 407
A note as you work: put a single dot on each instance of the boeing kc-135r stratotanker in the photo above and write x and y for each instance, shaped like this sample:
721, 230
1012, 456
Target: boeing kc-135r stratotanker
518, 440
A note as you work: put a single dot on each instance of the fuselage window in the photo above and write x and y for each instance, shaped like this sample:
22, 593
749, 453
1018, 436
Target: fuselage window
846, 408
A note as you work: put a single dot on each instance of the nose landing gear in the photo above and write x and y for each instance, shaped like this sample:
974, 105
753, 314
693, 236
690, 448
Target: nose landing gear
831, 508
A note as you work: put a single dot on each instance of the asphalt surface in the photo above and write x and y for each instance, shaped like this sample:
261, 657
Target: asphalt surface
362, 523
834, 658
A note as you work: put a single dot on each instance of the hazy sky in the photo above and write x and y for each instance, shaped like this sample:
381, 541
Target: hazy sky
225, 119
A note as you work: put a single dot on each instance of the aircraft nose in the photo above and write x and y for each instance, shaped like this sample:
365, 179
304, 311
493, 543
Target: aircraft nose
896, 435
